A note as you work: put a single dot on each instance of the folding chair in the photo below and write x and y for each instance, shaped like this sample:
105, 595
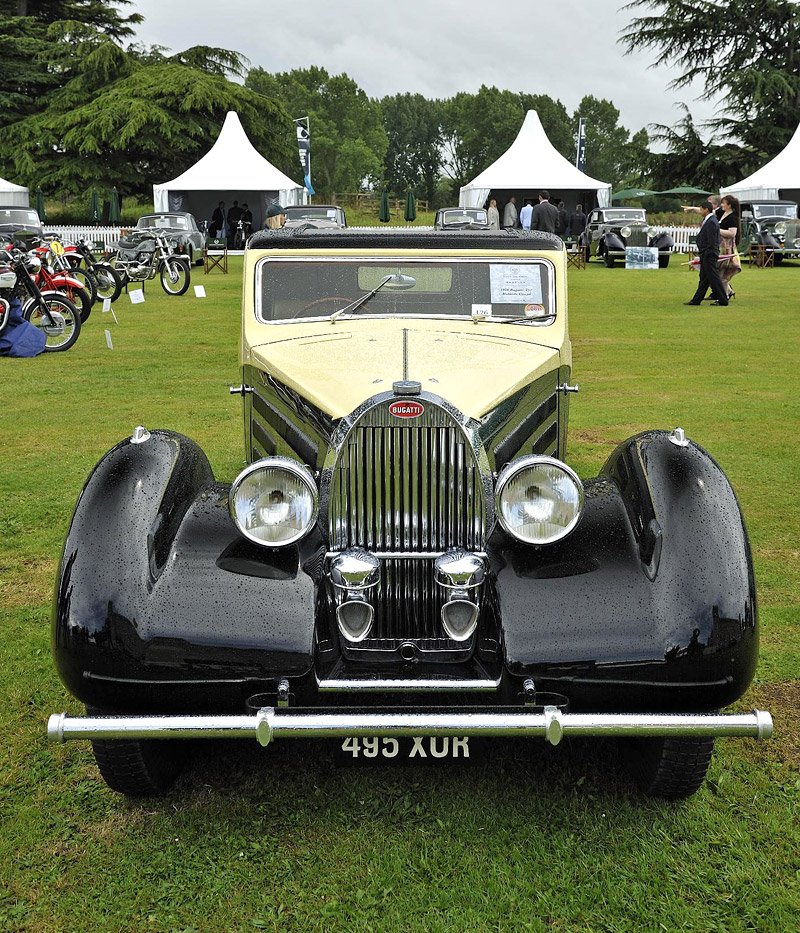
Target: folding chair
576, 254
215, 254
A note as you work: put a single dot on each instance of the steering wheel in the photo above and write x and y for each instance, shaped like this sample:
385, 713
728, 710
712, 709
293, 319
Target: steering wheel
326, 299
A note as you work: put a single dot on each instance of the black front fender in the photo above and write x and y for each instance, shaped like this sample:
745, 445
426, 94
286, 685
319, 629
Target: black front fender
651, 600
157, 590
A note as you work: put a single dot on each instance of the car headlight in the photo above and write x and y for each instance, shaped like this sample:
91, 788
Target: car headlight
538, 500
625, 231
274, 501
797, 243
652, 231
780, 227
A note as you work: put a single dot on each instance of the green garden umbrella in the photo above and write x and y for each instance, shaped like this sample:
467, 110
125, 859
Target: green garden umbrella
383, 212
684, 189
631, 193
411, 207
94, 207
40, 205
114, 215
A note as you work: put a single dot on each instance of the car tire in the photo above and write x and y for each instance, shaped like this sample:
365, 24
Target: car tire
663, 262
671, 768
137, 767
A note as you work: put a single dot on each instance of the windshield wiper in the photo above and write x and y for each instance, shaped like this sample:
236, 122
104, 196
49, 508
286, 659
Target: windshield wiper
397, 279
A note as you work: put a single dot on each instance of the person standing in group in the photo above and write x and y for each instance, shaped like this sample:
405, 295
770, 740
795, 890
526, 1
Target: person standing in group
276, 217
694, 209
545, 214
561, 226
708, 250
729, 235
217, 227
525, 216
577, 222
493, 215
510, 213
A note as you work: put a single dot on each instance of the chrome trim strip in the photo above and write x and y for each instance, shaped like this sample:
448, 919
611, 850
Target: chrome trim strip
387, 685
407, 555
269, 723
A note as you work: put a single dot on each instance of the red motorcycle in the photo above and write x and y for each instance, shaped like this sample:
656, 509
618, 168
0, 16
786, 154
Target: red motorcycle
52, 276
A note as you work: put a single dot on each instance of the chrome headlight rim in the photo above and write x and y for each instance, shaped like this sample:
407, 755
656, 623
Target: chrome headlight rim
780, 227
626, 231
293, 467
512, 469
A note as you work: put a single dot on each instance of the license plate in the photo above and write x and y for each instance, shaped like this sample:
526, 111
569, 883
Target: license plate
423, 749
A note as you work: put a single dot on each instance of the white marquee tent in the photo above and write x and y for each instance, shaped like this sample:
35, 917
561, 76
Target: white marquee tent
231, 169
779, 178
12, 195
529, 165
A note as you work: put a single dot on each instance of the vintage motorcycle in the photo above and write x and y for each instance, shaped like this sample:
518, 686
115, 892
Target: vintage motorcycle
55, 275
51, 311
81, 259
140, 258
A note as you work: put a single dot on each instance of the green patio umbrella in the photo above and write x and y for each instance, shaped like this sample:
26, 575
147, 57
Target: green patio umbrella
40, 205
411, 207
383, 211
114, 215
631, 193
94, 207
684, 189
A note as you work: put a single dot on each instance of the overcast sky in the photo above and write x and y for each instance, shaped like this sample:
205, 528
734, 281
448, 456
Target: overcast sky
437, 47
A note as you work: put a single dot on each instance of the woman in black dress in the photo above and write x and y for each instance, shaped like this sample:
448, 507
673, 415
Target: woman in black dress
729, 236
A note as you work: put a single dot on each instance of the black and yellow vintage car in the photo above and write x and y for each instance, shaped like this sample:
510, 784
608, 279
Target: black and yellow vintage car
772, 225
407, 562
611, 230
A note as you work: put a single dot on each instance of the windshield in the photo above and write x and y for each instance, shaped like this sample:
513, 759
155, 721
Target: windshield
465, 217
312, 213
19, 217
775, 210
303, 289
163, 220
629, 213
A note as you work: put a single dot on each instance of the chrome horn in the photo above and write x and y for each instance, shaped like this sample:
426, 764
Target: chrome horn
354, 573
461, 574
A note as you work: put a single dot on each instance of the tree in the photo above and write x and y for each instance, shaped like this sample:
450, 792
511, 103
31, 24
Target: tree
414, 153
348, 141
128, 120
611, 154
754, 67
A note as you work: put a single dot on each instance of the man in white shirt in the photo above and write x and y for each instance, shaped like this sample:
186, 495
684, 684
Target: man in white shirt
525, 216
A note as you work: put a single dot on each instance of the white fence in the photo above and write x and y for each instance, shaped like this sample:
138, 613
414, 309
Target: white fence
683, 236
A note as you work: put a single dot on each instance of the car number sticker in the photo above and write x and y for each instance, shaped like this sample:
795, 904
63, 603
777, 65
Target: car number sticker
406, 409
418, 747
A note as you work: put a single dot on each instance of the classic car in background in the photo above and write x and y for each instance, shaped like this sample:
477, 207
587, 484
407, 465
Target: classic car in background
461, 218
180, 228
20, 221
773, 225
407, 561
609, 230
321, 216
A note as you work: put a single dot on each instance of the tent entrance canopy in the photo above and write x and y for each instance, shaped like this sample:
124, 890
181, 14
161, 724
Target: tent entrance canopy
203, 203
231, 169
530, 165
778, 180
12, 195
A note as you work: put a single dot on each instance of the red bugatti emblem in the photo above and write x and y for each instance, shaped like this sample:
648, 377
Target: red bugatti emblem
406, 409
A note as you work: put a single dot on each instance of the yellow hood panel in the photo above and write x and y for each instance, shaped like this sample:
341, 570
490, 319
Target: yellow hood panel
337, 367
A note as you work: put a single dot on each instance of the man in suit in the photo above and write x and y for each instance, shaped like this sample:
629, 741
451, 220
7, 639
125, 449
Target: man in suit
708, 251
545, 214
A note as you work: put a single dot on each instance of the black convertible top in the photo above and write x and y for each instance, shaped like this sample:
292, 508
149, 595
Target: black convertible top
407, 238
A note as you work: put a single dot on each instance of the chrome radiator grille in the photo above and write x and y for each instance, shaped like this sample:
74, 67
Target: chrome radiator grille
406, 489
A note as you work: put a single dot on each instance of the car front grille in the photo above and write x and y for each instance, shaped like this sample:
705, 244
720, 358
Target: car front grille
406, 489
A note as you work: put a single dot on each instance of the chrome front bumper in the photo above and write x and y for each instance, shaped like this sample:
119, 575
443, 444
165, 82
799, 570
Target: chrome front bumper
269, 723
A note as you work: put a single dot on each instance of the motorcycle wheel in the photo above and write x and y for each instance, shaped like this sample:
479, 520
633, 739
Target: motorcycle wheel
65, 327
109, 282
86, 276
175, 276
82, 300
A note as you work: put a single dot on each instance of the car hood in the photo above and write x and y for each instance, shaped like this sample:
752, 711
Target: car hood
474, 367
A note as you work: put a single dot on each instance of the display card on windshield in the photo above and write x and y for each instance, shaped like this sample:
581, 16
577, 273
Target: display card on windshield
515, 284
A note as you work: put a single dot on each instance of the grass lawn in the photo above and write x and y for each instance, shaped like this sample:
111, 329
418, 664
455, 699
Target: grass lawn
536, 839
